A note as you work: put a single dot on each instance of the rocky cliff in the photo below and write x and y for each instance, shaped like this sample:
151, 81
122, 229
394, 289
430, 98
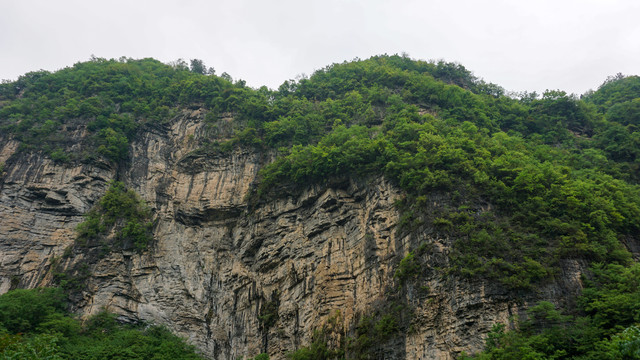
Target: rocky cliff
239, 278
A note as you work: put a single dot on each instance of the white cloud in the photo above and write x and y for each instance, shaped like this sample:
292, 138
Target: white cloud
522, 45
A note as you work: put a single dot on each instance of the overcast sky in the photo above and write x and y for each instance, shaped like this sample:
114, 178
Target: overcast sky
571, 45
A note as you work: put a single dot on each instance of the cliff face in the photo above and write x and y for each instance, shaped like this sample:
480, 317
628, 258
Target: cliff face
217, 265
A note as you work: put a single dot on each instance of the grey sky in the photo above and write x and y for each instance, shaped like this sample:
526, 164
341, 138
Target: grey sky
572, 45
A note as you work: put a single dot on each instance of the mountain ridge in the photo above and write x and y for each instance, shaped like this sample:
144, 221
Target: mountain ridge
401, 196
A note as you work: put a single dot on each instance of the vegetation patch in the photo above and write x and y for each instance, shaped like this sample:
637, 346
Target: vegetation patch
268, 315
112, 98
34, 324
368, 338
122, 213
604, 326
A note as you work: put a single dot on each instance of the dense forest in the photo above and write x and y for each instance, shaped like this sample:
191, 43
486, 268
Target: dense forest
529, 180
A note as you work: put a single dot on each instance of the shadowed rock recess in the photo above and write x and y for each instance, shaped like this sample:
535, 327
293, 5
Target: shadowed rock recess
217, 263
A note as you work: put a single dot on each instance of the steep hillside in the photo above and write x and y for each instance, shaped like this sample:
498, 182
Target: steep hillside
382, 208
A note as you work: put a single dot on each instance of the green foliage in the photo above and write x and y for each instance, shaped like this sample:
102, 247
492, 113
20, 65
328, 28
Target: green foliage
73, 279
366, 341
624, 345
23, 311
407, 268
198, 67
122, 209
268, 315
317, 350
387, 326
625, 113
113, 98
619, 100
112, 144
605, 327
59, 155
616, 89
34, 324
35, 347
262, 356
375, 329
612, 297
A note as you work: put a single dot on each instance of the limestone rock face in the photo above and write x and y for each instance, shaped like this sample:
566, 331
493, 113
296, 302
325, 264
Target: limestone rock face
216, 263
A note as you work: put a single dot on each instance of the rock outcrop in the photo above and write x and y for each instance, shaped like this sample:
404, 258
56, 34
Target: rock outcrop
217, 264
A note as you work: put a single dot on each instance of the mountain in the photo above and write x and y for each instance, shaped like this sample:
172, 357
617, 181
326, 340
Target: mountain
381, 208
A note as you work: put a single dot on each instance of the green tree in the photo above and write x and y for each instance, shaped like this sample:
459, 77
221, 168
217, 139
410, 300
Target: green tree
198, 67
